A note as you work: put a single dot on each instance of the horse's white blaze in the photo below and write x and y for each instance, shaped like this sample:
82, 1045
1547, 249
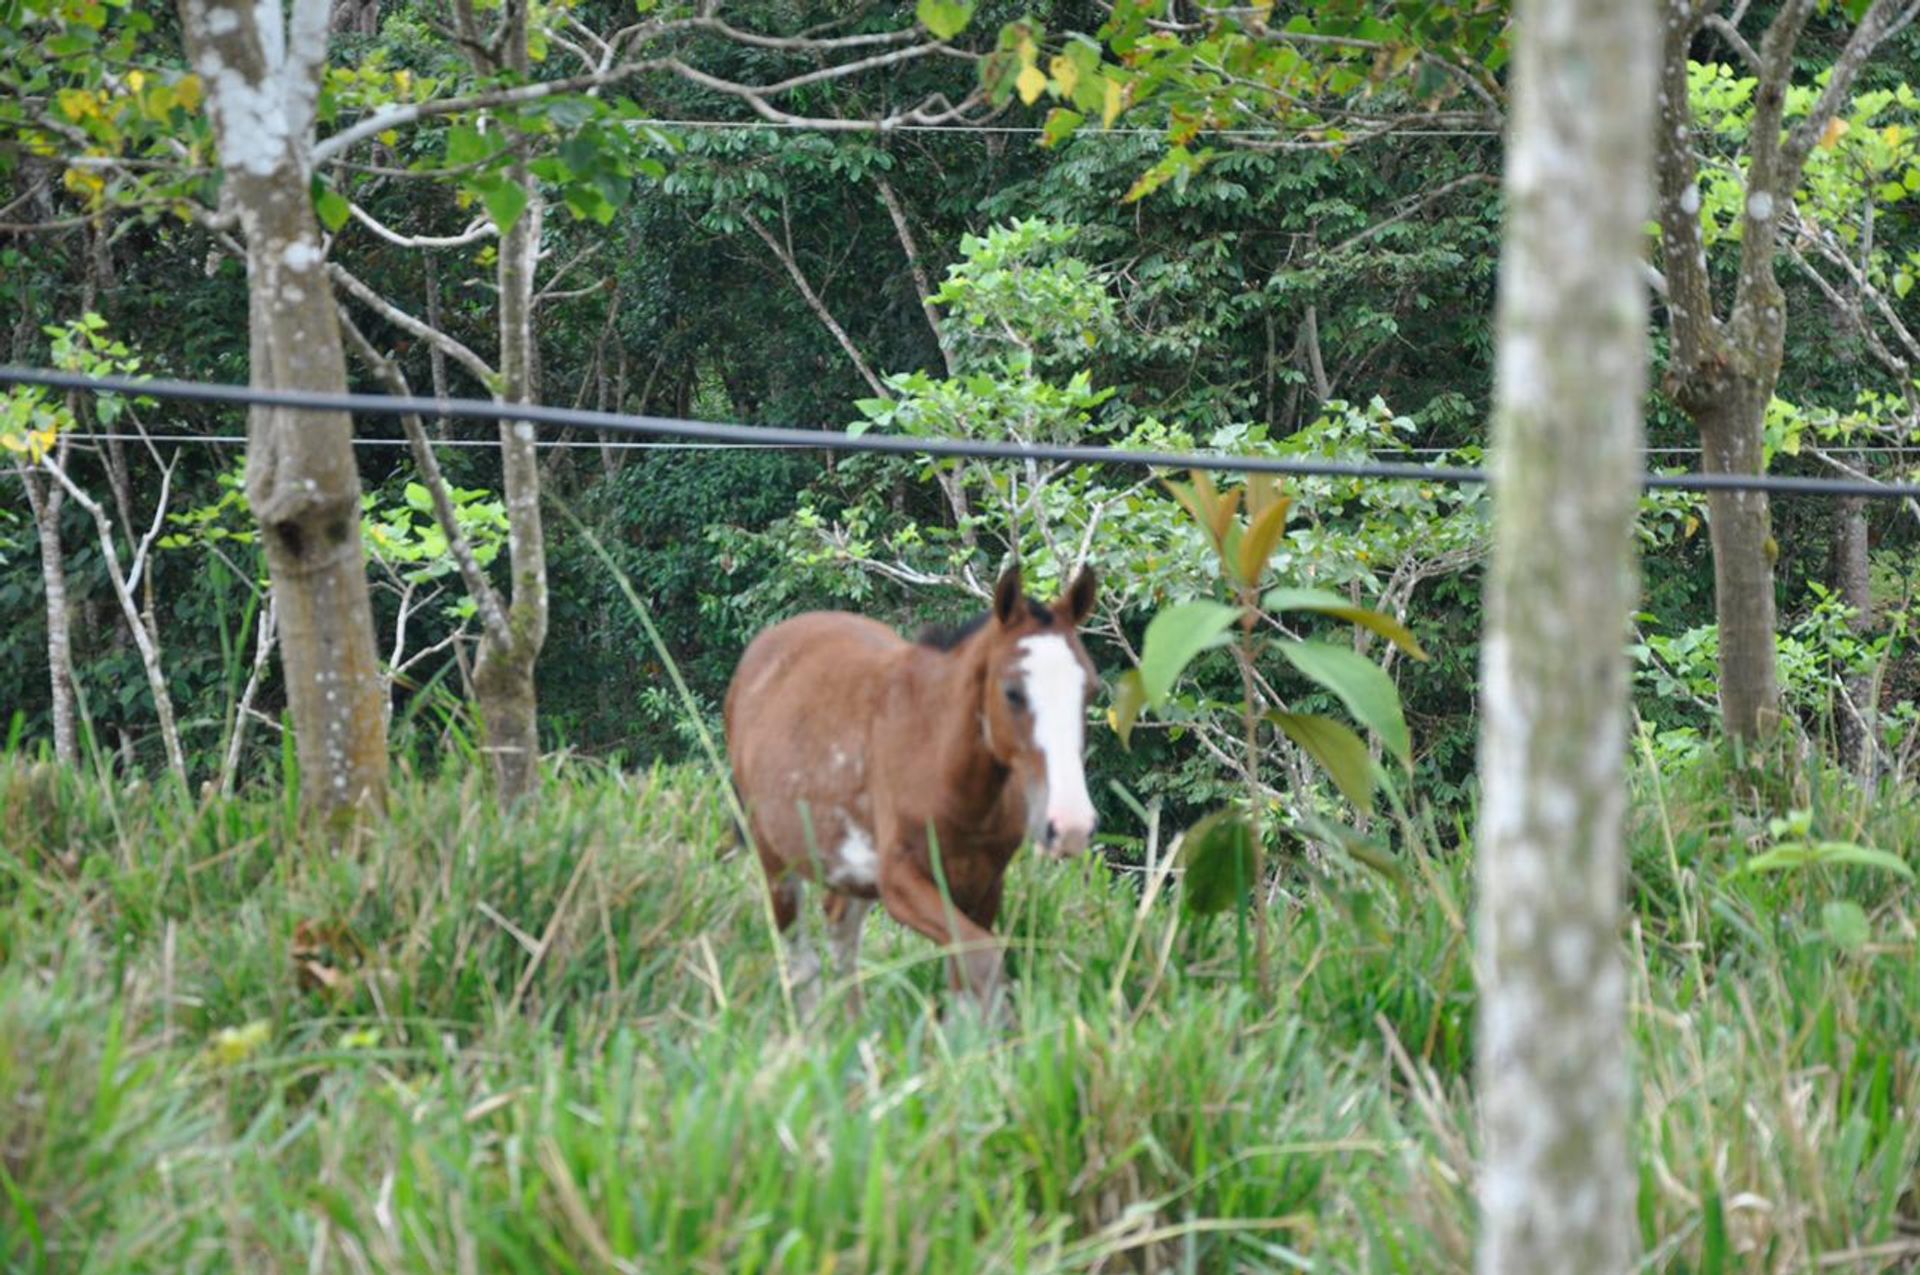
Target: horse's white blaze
1056, 686
857, 863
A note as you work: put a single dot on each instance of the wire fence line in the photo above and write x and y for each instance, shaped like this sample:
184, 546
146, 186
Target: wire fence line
590, 444
888, 444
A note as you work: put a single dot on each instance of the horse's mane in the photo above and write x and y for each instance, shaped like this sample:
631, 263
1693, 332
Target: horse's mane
944, 637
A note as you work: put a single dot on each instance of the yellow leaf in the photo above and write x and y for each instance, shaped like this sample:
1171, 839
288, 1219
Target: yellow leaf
76, 104
187, 90
1111, 111
1031, 84
391, 137
1693, 525
83, 181
233, 1045
1836, 129
1065, 75
136, 80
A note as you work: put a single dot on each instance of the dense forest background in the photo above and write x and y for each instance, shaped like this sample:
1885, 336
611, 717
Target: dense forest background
1288, 297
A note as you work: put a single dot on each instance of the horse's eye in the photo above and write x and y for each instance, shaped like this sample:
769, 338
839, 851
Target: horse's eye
1017, 696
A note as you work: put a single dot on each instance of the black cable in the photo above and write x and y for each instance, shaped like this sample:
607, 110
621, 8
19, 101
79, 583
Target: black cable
892, 444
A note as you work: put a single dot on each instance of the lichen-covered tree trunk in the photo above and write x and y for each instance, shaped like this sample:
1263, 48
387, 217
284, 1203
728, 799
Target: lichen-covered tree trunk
1556, 1188
1740, 525
1722, 373
262, 71
504, 672
1852, 581
46, 499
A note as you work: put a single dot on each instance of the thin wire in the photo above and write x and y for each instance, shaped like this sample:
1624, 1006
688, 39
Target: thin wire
545, 444
892, 444
236, 440
1022, 130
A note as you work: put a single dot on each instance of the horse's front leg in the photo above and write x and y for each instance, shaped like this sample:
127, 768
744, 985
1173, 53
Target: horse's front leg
913, 899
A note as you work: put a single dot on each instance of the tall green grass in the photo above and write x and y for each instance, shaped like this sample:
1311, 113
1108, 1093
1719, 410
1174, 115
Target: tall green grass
557, 1041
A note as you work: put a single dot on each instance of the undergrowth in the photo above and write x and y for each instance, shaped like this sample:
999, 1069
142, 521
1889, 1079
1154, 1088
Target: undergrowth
558, 1041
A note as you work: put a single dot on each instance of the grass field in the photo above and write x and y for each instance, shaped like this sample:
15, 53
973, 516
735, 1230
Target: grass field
559, 1041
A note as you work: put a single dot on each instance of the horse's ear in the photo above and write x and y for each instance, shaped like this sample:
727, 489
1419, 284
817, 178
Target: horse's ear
1006, 595
1077, 601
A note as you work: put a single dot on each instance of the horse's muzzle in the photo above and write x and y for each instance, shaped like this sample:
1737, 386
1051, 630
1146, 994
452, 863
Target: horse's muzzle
1066, 839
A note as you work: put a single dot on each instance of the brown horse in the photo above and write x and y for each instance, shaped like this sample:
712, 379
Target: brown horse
910, 772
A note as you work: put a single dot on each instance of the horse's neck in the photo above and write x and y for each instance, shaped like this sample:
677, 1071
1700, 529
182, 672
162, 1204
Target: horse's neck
951, 698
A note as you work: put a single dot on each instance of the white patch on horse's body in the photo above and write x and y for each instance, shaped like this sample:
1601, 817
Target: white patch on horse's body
1056, 687
855, 860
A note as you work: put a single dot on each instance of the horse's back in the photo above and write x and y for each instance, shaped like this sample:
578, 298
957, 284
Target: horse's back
822, 657
797, 717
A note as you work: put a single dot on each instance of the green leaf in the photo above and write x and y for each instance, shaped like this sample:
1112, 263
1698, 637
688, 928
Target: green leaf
1174, 637
505, 201
465, 146
1846, 924
1129, 697
1340, 752
1061, 124
329, 205
1362, 686
418, 497
1333, 604
1217, 853
944, 18
1801, 854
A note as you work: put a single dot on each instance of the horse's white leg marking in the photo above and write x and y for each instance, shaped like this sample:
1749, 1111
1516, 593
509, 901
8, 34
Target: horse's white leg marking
1056, 686
855, 860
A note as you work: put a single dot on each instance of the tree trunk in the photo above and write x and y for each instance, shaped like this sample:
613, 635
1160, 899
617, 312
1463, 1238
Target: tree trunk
1557, 1184
1853, 582
503, 678
46, 500
1740, 524
262, 83
1722, 374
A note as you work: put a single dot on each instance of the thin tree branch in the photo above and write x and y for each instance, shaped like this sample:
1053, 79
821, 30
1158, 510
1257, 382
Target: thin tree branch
406, 322
784, 254
486, 599
480, 228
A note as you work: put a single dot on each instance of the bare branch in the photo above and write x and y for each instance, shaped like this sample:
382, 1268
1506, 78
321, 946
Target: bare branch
1683, 249
492, 611
478, 229
1413, 209
406, 322
1875, 26
1737, 42
784, 254
143, 639
921, 287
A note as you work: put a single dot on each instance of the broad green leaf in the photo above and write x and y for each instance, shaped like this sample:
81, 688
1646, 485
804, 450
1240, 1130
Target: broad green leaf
1174, 637
1846, 924
1217, 854
1340, 752
1362, 686
1333, 604
1061, 124
330, 206
505, 201
1801, 854
944, 18
1129, 697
